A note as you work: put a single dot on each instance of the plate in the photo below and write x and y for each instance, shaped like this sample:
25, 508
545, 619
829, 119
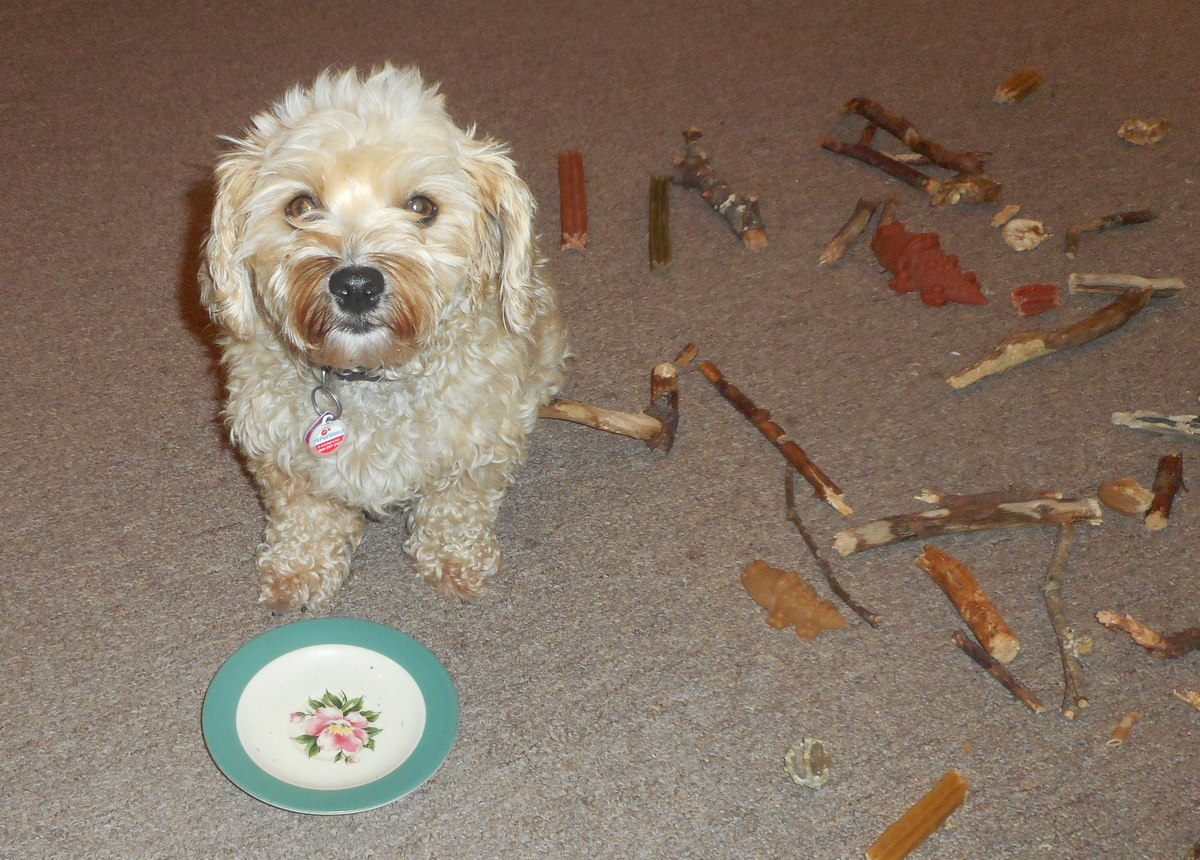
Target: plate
330, 716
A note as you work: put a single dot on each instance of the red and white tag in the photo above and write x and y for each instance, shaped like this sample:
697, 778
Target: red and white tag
326, 435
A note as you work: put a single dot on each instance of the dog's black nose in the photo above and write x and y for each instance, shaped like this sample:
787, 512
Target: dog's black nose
356, 288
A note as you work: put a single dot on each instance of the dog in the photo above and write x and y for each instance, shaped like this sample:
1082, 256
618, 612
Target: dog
386, 333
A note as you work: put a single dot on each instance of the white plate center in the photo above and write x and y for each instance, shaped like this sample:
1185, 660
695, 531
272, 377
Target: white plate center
330, 716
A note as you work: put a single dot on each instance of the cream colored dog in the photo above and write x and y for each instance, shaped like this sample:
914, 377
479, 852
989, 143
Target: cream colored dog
386, 336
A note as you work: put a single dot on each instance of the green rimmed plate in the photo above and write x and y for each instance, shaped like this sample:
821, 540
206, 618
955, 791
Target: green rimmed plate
330, 716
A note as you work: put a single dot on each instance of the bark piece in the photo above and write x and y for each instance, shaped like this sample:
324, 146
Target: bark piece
1024, 234
997, 670
970, 600
918, 262
872, 618
1182, 425
739, 211
1166, 646
790, 601
851, 230
1074, 696
1115, 284
966, 188
823, 487
1125, 496
1168, 481
1024, 346
962, 514
1018, 86
923, 818
903, 130
1103, 223
1121, 732
1033, 299
1143, 131
1005, 215
572, 190
660, 223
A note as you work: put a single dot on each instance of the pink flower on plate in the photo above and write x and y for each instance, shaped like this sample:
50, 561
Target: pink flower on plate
337, 732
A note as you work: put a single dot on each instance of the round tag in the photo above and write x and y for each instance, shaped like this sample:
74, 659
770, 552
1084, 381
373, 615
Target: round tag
326, 435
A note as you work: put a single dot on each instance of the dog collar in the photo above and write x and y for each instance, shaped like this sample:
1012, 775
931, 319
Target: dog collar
354, 375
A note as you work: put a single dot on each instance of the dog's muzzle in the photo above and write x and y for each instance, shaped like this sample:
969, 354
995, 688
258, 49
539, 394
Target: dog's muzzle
356, 289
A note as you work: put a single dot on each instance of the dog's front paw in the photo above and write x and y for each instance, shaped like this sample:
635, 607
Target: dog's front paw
291, 587
458, 578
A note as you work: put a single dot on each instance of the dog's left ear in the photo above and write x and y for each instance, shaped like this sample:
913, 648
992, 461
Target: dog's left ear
507, 239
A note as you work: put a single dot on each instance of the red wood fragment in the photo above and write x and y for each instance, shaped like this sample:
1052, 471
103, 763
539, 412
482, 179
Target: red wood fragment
1033, 299
919, 264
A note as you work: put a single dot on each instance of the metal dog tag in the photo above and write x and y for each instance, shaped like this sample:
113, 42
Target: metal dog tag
326, 435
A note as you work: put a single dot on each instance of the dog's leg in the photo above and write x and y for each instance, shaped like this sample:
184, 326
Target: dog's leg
306, 550
452, 538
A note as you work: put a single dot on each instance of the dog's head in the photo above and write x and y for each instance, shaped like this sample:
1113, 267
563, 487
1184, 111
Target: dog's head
355, 215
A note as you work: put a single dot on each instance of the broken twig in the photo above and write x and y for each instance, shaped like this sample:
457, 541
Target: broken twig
872, 618
1074, 697
1105, 222
1122, 730
886, 163
572, 191
656, 426
1024, 346
903, 130
971, 601
1082, 283
850, 231
1191, 697
998, 671
1166, 646
823, 487
962, 514
1167, 482
660, 223
741, 212
1182, 425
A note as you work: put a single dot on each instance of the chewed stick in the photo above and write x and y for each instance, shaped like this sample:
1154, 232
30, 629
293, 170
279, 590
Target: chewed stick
1105, 222
971, 601
851, 230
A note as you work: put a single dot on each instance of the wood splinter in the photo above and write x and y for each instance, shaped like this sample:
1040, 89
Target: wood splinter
1091, 283
656, 426
1165, 646
1181, 425
998, 671
739, 211
1024, 346
1074, 696
960, 514
971, 602
922, 819
823, 487
572, 191
1121, 732
1167, 483
872, 618
1103, 223
850, 231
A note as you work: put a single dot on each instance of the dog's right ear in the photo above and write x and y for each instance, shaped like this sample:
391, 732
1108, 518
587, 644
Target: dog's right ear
224, 276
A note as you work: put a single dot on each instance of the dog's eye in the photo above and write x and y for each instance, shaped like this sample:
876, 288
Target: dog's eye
423, 207
300, 206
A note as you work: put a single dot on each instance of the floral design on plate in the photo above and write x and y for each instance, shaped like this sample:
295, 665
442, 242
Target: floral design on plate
337, 728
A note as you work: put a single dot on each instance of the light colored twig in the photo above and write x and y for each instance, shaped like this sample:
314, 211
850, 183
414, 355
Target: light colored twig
1074, 696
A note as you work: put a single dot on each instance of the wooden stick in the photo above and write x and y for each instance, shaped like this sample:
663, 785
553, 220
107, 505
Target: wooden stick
683, 361
1017, 86
656, 426
1083, 283
572, 191
1191, 697
1122, 730
660, 223
924, 817
1167, 482
903, 130
994, 668
741, 212
1074, 697
1105, 222
967, 514
970, 600
872, 618
886, 163
1024, 346
823, 487
1166, 646
850, 231
1182, 425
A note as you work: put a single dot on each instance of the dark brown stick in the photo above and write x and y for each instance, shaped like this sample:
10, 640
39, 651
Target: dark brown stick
1099, 225
1167, 482
994, 668
660, 223
1023, 346
872, 618
903, 130
823, 488
572, 192
739, 211
886, 163
1074, 697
